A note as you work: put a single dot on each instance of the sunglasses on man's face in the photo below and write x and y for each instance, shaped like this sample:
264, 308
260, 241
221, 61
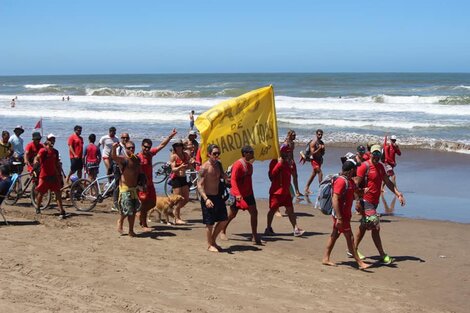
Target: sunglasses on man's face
377, 153
124, 137
146, 147
130, 148
215, 153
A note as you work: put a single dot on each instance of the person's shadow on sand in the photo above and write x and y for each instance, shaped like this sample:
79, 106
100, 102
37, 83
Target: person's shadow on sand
20, 223
240, 248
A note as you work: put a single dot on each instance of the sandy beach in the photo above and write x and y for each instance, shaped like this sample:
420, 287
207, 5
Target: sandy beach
82, 264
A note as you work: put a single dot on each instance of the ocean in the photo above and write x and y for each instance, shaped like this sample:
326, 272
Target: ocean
422, 110
425, 111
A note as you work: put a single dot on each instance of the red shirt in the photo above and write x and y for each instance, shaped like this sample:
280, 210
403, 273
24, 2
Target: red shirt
48, 159
390, 152
374, 180
146, 164
366, 156
240, 180
32, 150
77, 145
280, 177
345, 203
92, 153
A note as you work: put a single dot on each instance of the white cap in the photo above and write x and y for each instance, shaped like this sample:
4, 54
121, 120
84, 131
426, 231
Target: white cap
193, 132
51, 135
19, 127
393, 137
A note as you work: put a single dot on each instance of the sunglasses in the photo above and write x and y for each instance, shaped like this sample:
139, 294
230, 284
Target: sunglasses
146, 147
130, 148
215, 153
124, 137
377, 153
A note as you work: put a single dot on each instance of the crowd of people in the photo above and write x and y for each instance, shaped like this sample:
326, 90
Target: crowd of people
362, 178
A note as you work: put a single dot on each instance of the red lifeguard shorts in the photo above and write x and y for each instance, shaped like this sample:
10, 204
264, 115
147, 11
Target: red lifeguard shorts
315, 165
276, 201
46, 183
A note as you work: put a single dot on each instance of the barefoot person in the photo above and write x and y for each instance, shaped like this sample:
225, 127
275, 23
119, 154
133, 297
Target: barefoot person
343, 197
242, 190
75, 144
391, 150
50, 175
214, 212
290, 141
280, 173
128, 202
148, 197
373, 173
317, 150
180, 161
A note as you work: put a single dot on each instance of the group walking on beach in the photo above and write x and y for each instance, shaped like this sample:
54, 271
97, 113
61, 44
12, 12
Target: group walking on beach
361, 180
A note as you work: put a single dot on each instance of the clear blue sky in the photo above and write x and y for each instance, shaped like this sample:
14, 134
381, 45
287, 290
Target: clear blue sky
200, 36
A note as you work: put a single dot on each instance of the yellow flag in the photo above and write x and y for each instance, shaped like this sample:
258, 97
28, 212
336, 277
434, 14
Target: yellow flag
249, 119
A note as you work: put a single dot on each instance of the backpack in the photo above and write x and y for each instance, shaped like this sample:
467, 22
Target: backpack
364, 181
325, 194
307, 150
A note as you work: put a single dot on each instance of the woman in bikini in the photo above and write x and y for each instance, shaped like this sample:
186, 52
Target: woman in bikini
180, 162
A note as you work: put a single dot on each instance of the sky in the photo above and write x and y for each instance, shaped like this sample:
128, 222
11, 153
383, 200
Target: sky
239, 36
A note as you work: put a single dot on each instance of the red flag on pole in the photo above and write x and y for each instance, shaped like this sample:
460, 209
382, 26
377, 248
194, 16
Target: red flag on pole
38, 126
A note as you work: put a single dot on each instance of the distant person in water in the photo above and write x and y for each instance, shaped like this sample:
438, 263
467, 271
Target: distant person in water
191, 120
13, 103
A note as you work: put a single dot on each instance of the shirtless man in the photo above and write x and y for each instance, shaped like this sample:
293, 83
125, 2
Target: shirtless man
214, 212
290, 142
128, 203
242, 189
317, 150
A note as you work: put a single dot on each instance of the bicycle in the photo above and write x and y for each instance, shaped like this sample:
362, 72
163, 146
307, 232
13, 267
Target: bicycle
161, 172
20, 190
85, 194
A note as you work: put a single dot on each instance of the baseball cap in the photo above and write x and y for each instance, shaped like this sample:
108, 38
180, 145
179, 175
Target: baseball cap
19, 127
361, 149
51, 135
393, 137
376, 148
192, 132
347, 156
285, 148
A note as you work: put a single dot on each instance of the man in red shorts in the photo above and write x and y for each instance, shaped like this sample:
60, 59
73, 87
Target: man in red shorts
280, 173
373, 172
148, 198
317, 150
31, 151
242, 189
391, 150
50, 175
343, 196
75, 144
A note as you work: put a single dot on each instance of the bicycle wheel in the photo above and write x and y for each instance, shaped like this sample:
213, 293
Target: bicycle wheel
161, 170
84, 194
46, 198
14, 194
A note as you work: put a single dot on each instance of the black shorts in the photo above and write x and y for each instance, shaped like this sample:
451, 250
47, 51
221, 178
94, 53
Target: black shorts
218, 213
76, 165
179, 182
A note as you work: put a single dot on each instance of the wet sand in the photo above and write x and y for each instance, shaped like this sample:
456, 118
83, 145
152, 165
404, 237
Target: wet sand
82, 264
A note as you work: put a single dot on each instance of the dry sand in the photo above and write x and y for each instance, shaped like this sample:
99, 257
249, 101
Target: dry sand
82, 264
